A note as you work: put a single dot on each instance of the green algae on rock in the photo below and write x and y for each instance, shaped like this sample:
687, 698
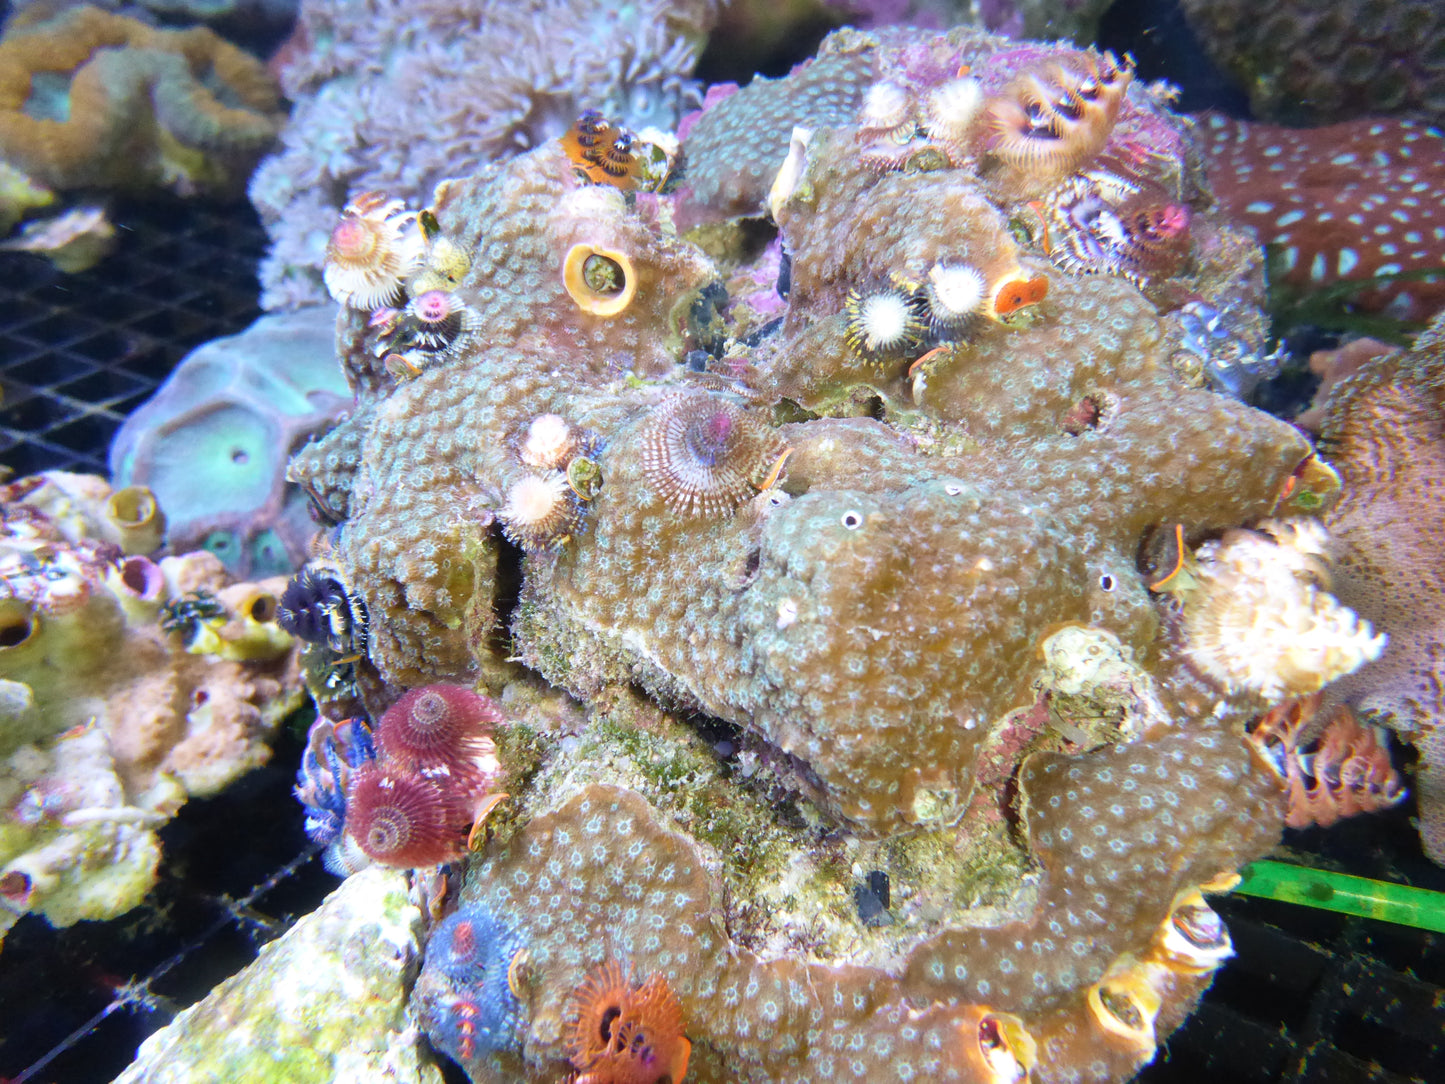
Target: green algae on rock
325, 1002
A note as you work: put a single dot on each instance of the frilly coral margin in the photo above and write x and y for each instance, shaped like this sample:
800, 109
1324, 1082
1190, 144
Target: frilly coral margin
141, 106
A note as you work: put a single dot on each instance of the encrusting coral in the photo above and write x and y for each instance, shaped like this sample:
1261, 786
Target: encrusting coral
1384, 431
927, 585
96, 100
131, 685
1308, 65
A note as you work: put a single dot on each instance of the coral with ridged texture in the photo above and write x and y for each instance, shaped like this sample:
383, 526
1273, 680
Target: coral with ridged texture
1383, 432
90, 99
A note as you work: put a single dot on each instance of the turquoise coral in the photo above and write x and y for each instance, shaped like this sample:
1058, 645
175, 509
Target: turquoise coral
212, 442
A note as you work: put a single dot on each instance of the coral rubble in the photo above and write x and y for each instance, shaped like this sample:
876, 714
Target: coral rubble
129, 686
95, 100
326, 1002
892, 485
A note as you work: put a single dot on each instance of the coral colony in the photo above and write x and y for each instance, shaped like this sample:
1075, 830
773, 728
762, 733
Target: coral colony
893, 417
127, 685
132, 106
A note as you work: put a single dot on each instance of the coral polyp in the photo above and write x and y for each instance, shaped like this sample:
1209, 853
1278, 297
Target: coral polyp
883, 326
373, 248
621, 1033
401, 819
703, 456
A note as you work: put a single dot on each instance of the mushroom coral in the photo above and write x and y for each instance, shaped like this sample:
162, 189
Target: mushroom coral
91, 99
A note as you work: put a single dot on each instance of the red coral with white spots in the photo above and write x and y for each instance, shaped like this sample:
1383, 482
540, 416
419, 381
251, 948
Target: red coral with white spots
1348, 202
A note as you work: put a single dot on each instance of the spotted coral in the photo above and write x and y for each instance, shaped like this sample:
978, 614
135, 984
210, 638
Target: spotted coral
938, 607
1345, 203
1310, 66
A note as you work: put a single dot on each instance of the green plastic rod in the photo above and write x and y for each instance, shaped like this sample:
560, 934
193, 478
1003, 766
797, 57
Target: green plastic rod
1401, 904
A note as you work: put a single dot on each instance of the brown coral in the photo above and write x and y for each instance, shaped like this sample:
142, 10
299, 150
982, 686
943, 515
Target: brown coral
140, 106
1087, 979
1384, 432
940, 605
